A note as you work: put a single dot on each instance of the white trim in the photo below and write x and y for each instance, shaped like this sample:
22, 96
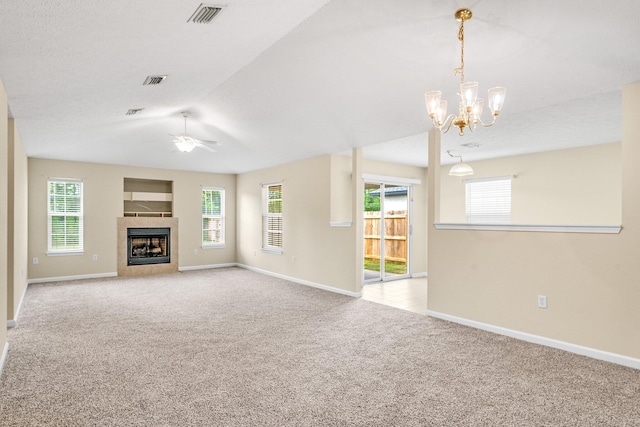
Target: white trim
11, 324
78, 277
53, 178
340, 223
207, 266
65, 253
302, 282
494, 178
3, 358
24, 293
421, 274
272, 250
369, 177
605, 229
216, 246
537, 339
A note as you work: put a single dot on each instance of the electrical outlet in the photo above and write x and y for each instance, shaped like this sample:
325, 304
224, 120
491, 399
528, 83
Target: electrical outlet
542, 301
293, 259
195, 252
34, 260
95, 257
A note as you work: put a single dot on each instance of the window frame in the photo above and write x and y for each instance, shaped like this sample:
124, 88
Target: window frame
268, 216
65, 213
497, 201
220, 217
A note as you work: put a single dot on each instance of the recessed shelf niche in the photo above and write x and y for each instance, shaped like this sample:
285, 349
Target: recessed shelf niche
148, 198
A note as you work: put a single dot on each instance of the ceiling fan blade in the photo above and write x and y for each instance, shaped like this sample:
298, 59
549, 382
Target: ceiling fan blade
214, 143
206, 147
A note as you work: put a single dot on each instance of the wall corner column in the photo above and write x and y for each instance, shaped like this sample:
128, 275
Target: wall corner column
358, 202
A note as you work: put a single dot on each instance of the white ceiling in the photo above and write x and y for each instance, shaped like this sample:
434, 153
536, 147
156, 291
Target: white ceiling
276, 81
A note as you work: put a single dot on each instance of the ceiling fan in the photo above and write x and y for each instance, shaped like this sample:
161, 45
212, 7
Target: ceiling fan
186, 143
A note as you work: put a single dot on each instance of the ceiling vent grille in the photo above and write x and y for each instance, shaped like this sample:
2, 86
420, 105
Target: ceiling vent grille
204, 14
470, 145
133, 111
154, 80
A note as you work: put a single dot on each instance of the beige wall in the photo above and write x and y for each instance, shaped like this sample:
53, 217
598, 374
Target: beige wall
4, 222
590, 280
18, 222
312, 250
103, 203
316, 192
578, 186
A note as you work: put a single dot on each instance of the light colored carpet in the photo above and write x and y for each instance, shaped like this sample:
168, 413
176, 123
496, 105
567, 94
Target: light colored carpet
230, 347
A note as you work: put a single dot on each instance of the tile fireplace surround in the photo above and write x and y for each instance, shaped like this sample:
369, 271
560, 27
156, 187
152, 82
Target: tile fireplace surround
146, 270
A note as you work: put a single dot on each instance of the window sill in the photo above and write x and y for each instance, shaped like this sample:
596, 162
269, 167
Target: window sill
215, 246
546, 228
65, 253
272, 251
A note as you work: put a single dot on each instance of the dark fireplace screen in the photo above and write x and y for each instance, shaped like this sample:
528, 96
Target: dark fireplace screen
148, 246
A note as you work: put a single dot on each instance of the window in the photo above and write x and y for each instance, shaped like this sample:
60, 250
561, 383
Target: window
212, 216
488, 201
65, 216
272, 218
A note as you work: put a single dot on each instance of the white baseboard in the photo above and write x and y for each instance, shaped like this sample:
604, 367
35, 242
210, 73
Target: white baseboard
421, 274
3, 357
208, 266
15, 316
537, 339
78, 277
302, 282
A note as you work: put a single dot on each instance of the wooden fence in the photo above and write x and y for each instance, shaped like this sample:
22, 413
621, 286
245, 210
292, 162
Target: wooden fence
395, 240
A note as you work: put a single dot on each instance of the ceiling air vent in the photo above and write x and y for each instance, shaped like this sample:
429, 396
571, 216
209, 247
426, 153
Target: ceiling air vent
204, 14
133, 111
470, 145
154, 80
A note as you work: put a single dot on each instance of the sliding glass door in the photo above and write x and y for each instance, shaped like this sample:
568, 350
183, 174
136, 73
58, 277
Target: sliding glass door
386, 231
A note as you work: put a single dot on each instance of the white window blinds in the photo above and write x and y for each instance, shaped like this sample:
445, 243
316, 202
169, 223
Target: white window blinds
212, 216
65, 216
488, 201
272, 217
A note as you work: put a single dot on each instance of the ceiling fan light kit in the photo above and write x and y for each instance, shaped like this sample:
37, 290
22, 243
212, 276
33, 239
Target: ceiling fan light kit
186, 143
470, 106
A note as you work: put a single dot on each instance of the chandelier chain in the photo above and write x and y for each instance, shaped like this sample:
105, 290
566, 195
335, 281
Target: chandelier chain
461, 38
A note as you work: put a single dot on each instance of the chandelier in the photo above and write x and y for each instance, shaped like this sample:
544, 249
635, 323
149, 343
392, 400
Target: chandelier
470, 107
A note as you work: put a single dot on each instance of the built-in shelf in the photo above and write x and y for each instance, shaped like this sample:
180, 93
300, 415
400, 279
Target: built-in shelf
138, 196
148, 198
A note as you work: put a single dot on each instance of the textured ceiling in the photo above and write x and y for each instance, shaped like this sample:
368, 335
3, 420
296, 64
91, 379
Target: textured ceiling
276, 81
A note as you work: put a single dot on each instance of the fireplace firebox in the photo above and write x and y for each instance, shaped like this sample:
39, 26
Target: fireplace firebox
148, 246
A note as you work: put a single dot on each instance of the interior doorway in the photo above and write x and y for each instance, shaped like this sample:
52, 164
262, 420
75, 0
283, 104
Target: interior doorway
387, 231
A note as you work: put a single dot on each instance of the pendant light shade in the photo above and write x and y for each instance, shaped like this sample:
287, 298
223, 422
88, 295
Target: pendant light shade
461, 169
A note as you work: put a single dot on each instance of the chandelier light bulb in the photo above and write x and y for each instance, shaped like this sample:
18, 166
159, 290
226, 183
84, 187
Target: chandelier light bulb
433, 102
477, 110
469, 94
441, 112
496, 99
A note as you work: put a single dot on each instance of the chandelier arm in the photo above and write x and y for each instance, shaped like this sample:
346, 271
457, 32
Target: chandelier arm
449, 119
488, 124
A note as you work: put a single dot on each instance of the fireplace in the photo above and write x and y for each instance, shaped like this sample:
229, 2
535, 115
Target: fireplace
148, 245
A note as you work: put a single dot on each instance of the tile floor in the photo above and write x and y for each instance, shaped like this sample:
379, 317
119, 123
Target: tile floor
406, 294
